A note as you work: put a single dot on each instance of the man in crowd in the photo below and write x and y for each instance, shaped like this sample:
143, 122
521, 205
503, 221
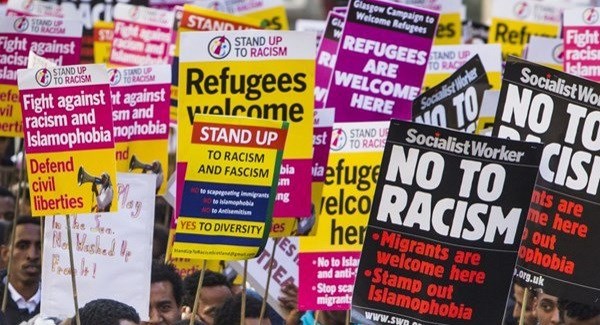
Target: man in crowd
230, 312
166, 291
545, 309
574, 313
7, 204
24, 292
213, 294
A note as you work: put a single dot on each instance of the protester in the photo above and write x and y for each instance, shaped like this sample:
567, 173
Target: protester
160, 240
545, 309
518, 293
230, 312
166, 292
574, 313
7, 204
213, 294
24, 292
108, 312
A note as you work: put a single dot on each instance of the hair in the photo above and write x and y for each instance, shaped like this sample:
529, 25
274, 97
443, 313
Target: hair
159, 241
21, 220
187, 322
107, 312
166, 272
211, 279
577, 310
4, 192
230, 312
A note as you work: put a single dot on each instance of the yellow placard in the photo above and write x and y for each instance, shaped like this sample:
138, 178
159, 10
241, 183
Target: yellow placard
345, 203
103, 35
272, 18
514, 34
11, 124
449, 31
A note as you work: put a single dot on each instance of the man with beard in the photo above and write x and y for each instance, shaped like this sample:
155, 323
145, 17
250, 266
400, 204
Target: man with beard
24, 293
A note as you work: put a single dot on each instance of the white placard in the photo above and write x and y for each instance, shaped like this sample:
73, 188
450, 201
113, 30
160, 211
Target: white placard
112, 252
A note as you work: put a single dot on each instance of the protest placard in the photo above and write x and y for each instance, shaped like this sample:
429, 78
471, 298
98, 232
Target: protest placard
285, 270
445, 225
89, 12
270, 13
514, 21
545, 51
326, 56
110, 253
381, 61
455, 102
228, 194
261, 74
103, 36
444, 60
332, 254
452, 13
53, 38
142, 36
33, 8
581, 35
67, 120
140, 100
561, 111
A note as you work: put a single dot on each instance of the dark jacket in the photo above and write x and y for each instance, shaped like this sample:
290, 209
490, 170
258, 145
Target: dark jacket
13, 315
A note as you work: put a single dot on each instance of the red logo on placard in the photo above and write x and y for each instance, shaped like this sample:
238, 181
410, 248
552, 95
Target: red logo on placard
590, 16
522, 9
43, 77
219, 47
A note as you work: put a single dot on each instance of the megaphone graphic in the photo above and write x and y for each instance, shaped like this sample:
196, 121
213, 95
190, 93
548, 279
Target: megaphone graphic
84, 177
134, 163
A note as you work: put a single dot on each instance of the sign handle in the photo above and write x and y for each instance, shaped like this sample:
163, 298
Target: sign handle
14, 228
348, 317
243, 310
524, 306
263, 307
200, 280
316, 317
73, 282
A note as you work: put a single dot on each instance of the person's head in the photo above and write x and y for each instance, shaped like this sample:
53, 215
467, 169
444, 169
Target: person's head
213, 294
159, 242
166, 291
574, 313
545, 309
518, 293
108, 312
7, 204
25, 269
230, 312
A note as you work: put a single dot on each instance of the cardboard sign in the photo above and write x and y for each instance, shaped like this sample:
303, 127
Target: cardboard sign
270, 13
140, 100
142, 36
452, 13
455, 103
514, 21
233, 166
262, 74
89, 12
104, 33
285, 269
445, 226
33, 8
560, 110
444, 60
581, 31
326, 56
487, 114
52, 38
333, 253
109, 252
67, 117
545, 51
381, 61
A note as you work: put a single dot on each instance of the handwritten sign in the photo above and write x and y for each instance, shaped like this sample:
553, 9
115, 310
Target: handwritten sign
110, 252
